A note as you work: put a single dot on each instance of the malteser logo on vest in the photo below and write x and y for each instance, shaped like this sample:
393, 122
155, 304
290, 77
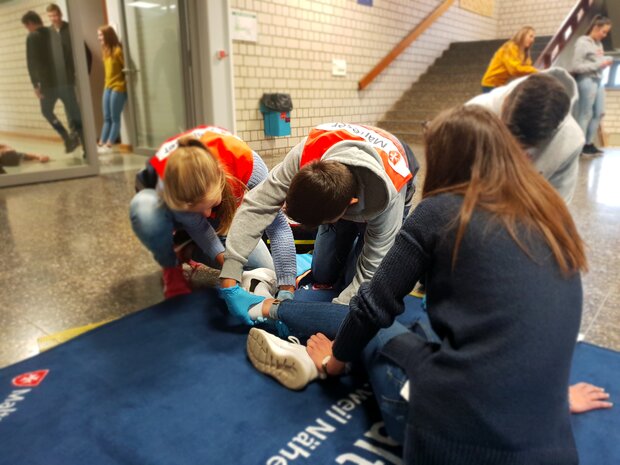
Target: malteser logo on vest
26, 380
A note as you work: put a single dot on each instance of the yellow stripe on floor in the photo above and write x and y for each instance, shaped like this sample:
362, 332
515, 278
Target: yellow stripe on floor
52, 340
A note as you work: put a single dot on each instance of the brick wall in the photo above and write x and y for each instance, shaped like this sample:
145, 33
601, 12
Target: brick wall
611, 120
297, 40
545, 16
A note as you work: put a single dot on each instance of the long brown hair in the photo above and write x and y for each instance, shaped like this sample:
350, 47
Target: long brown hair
110, 40
597, 22
470, 152
192, 173
519, 39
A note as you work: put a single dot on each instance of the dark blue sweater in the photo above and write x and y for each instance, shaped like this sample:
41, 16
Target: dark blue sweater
495, 390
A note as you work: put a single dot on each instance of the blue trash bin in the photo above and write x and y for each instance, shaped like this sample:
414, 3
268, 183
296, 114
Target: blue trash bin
276, 110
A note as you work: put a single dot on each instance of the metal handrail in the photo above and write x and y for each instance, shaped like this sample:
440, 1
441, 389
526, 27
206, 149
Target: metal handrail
564, 34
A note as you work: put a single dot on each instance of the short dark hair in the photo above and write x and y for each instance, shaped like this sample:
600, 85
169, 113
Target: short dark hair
32, 17
535, 108
53, 7
321, 191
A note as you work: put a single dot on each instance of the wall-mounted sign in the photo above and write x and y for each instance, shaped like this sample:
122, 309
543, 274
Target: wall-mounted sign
244, 25
365, 2
339, 67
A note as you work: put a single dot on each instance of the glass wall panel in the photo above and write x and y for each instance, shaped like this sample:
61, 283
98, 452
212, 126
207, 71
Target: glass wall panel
41, 109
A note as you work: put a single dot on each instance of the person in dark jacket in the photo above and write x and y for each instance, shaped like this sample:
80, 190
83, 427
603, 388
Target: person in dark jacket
475, 392
64, 67
42, 71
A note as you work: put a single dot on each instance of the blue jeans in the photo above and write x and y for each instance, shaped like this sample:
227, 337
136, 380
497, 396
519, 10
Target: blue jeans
66, 94
338, 246
153, 223
112, 104
591, 106
304, 319
336, 249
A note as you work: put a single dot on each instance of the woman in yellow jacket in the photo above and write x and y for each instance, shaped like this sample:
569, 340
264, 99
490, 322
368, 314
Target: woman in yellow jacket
115, 90
511, 60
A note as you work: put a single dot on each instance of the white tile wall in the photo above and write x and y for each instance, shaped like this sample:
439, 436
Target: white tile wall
297, 41
546, 16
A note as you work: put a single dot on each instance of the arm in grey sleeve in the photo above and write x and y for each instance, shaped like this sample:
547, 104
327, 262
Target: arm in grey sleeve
279, 233
378, 239
585, 59
259, 209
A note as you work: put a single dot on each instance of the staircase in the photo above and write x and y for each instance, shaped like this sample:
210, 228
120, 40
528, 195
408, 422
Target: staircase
452, 80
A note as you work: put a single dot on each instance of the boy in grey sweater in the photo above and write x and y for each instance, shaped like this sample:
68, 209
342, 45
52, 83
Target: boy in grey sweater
355, 182
537, 110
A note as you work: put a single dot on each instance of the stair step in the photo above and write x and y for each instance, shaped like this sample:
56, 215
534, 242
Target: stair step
403, 125
414, 96
413, 114
448, 85
452, 80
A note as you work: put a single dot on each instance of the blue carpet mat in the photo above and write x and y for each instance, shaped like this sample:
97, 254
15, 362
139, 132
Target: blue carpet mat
172, 385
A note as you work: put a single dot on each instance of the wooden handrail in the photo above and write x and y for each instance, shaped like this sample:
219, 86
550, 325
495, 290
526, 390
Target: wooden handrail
564, 34
403, 44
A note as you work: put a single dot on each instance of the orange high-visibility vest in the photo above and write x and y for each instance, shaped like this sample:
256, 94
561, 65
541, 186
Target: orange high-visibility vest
389, 148
234, 155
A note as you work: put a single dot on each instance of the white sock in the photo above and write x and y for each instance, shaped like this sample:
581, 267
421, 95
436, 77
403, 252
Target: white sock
263, 289
256, 311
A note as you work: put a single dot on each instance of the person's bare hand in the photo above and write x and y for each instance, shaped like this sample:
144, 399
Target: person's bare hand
583, 397
319, 347
38, 93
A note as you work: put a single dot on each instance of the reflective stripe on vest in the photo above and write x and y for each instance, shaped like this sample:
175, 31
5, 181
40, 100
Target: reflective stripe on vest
235, 156
388, 147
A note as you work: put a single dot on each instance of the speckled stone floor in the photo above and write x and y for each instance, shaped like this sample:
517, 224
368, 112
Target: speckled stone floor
69, 257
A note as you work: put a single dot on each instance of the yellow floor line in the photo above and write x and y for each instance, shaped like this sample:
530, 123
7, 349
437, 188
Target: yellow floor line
52, 340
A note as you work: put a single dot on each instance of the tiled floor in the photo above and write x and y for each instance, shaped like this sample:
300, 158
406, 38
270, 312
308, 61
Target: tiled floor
69, 257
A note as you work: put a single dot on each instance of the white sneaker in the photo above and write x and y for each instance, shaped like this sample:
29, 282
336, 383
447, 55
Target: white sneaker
104, 149
288, 362
260, 281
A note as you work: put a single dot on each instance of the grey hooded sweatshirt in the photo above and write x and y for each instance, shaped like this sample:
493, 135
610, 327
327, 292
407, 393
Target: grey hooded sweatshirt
380, 206
557, 158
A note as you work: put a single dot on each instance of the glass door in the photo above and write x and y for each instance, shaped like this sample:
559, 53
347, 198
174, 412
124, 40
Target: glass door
157, 69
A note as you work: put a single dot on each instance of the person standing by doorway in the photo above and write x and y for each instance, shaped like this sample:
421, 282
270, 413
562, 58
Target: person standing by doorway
64, 67
115, 90
43, 75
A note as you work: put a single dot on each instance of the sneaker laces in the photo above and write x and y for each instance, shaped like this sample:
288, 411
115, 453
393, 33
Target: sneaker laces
293, 340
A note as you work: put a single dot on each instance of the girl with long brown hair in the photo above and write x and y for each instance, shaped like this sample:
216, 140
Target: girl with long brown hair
489, 362
589, 62
115, 88
201, 178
